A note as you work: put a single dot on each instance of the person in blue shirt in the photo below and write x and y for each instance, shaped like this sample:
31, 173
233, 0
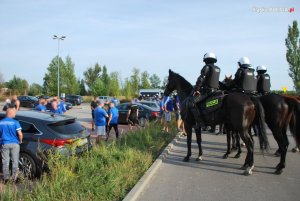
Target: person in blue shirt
168, 107
11, 138
162, 110
41, 106
56, 108
113, 120
115, 101
62, 106
100, 120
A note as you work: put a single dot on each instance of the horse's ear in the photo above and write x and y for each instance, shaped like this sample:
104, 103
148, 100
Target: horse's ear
230, 77
170, 71
226, 77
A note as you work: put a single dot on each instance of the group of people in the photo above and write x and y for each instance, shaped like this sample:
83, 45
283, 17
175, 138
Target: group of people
57, 105
245, 81
12, 102
104, 118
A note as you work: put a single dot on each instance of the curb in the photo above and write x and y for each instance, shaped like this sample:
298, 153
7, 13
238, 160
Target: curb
145, 179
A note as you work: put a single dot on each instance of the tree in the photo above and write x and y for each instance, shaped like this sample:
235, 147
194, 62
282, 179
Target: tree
1, 80
155, 81
35, 89
292, 43
97, 88
114, 89
106, 81
69, 84
127, 89
82, 90
50, 78
91, 75
145, 83
164, 82
18, 85
135, 81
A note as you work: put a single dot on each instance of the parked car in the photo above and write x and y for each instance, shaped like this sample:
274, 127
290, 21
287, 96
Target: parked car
152, 104
104, 98
44, 97
74, 99
145, 113
44, 132
28, 101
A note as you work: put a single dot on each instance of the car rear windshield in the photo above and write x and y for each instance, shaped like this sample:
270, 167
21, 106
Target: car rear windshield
67, 127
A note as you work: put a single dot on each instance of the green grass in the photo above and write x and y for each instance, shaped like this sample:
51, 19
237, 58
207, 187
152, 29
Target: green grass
107, 172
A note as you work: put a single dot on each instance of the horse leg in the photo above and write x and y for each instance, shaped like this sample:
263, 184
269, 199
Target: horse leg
284, 143
228, 136
234, 141
188, 130
238, 144
249, 160
199, 140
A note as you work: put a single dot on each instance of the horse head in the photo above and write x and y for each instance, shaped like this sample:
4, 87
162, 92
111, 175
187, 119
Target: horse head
228, 81
171, 84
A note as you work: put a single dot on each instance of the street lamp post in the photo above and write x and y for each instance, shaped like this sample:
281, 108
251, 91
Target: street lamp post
55, 37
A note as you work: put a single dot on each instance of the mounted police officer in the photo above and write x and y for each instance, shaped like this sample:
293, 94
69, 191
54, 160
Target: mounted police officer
244, 79
207, 83
263, 81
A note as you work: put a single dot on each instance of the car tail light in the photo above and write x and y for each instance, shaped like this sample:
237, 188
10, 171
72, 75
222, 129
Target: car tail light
154, 114
57, 142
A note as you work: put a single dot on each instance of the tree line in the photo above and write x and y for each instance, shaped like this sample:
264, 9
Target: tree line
98, 81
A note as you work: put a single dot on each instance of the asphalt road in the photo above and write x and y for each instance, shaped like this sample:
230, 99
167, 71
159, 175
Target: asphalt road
215, 178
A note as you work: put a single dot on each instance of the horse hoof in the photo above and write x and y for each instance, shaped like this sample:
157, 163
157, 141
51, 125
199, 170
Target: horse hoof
248, 171
199, 158
225, 156
237, 156
278, 171
295, 149
186, 159
243, 144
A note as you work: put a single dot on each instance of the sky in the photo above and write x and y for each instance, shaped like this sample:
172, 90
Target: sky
152, 35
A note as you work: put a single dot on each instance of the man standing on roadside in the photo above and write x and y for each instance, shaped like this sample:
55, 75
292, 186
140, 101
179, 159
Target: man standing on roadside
15, 102
168, 107
113, 120
94, 105
100, 120
11, 138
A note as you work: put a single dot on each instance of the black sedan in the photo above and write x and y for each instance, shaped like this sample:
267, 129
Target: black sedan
44, 132
28, 101
145, 113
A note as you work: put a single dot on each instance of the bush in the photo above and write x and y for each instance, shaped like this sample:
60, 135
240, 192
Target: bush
107, 172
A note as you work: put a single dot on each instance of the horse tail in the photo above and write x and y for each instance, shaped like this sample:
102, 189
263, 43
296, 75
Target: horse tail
259, 121
294, 108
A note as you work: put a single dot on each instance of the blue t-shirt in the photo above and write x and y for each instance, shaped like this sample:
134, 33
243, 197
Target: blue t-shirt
57, 111
40, 108
62, 107
8, 131
161, 104
100, 116
115, 115
168, 103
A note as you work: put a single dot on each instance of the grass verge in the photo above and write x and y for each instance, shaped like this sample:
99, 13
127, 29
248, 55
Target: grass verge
107, 172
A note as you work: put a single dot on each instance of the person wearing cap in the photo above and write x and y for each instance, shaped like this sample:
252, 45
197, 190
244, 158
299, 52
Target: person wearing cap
263, 80
244, 79
11, 138
100, 120
207, 82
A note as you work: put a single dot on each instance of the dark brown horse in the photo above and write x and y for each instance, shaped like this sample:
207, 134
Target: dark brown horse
238, 111
280, 112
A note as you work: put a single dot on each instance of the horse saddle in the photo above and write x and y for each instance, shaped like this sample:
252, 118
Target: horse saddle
212, 102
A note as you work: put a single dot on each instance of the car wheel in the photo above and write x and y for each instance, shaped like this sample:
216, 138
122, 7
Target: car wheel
142, 121
27, 166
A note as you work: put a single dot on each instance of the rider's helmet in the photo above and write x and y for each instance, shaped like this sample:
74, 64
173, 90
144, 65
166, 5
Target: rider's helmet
209, 58
261, 69
244, 62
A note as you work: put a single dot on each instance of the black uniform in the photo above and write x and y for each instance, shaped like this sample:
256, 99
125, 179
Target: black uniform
133, 117
94, 105
245, 80
263, 83
206, 83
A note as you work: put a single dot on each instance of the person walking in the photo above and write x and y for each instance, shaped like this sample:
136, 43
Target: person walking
11, 138
100, 120
15, 102
113, 120
168, 107
94, 105
132, 115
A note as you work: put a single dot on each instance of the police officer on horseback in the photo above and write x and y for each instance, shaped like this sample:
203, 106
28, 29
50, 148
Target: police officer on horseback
263, 80
244, 79
207, 82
